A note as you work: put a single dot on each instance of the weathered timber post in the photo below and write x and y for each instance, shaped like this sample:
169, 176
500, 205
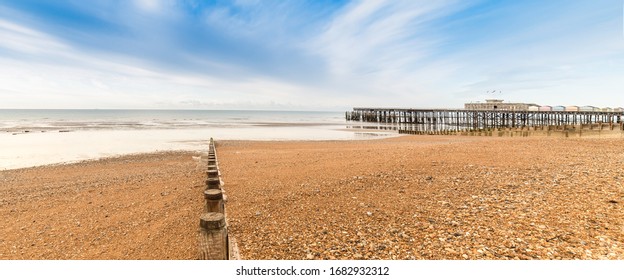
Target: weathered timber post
214, 201
212, 173
213, 183
214, 243
212, 237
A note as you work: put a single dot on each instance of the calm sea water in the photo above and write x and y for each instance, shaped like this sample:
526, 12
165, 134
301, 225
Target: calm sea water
49, 120
37, 137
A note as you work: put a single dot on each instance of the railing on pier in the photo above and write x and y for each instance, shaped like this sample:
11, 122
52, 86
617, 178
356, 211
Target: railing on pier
455, 120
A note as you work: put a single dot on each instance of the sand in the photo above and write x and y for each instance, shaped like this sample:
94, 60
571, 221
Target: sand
132, 207
427, 197
412, 197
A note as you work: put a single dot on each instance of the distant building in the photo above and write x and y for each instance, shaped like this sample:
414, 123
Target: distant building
572, 108
589, 109
497, 104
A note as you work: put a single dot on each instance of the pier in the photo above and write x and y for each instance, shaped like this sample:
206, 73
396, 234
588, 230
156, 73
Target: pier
416, 121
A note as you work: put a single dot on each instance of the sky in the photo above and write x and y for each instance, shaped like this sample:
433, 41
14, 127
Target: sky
308, 55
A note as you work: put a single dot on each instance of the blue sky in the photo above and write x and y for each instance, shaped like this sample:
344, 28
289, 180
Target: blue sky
308, 55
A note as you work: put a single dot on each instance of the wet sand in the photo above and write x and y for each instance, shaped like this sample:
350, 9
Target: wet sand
412, 197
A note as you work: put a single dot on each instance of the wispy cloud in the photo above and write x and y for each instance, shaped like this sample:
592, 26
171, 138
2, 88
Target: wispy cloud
21, 39
307, 54
374, 36
444, 53
550, 57
382, 50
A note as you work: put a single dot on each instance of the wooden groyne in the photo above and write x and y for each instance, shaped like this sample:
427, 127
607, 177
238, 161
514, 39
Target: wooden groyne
214, 241
461, 120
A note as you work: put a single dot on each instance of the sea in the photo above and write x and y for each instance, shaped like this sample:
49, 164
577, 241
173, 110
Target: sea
39, 137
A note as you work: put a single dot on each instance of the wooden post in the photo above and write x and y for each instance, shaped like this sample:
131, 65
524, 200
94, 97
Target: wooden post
213, 183
214, 201
212, 237
212, 173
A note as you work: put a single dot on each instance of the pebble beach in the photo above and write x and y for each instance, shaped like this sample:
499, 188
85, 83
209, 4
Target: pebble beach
407, 198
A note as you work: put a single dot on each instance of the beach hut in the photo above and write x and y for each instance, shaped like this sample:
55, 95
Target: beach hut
571, 108
545, 108
588, 109
533, 108
558, 108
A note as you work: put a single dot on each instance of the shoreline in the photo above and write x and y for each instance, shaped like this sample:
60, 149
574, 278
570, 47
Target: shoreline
36, 149
186, 144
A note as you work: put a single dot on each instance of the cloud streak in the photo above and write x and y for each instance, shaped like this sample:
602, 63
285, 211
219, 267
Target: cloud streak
307, 54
